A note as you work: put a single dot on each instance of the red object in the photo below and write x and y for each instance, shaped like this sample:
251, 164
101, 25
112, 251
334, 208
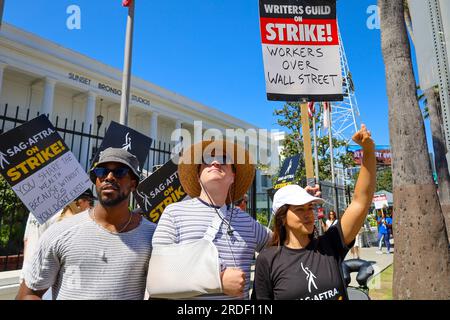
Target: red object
311, 109
126, 3
320, 214
310, 32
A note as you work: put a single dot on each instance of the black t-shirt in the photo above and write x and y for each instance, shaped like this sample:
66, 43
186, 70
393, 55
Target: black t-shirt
311, 273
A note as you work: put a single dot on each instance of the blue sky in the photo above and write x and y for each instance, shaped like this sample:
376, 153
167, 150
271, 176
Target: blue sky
207, 50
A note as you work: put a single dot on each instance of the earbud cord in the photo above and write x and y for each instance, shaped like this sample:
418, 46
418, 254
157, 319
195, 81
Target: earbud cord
229, 229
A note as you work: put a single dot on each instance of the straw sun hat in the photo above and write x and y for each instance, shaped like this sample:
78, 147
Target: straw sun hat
191, 159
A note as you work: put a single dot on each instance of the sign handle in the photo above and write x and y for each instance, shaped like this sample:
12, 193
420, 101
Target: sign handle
307, 150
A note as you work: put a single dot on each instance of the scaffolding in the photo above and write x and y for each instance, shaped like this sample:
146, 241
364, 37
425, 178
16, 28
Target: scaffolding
345, 116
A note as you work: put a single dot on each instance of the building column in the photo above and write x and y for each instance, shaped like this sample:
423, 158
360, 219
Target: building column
154, 126
89, 120
154, 135
2, 68
198, 131
48, 98
89, 115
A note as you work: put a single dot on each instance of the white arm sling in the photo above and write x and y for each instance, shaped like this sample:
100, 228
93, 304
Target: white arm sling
180, 271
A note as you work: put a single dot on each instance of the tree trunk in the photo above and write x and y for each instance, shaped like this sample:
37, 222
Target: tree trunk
421, 259
440, 151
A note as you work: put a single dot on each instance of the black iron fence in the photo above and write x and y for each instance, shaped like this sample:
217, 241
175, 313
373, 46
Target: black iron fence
13, 214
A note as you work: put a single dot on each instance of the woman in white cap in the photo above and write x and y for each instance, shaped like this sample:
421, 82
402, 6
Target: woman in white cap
214, 174
297, 265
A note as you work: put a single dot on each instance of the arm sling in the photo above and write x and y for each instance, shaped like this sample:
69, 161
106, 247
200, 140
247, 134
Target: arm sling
180, 271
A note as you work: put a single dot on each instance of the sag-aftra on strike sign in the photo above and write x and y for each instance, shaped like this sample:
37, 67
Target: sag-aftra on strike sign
40, 168
300, 44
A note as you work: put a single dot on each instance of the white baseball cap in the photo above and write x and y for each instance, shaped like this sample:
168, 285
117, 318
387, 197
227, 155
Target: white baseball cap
293, 195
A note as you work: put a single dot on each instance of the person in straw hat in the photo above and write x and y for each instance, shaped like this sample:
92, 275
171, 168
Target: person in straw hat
215, 174
298, 265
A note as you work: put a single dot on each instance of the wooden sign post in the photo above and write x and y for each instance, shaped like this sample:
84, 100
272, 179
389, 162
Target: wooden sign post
307, 145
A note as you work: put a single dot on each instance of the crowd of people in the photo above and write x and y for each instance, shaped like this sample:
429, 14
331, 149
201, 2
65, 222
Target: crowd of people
107, 251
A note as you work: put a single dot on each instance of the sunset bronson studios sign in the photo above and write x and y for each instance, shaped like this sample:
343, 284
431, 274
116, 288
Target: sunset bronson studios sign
300, 46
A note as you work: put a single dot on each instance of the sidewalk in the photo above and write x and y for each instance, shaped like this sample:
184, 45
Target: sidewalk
379, 261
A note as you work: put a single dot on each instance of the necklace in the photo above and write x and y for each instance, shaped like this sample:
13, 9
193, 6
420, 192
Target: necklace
124, 227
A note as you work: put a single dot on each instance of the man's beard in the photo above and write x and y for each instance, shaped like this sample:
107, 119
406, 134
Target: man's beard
111, 202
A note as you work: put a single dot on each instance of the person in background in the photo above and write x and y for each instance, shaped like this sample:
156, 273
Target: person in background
322, 220
331, 221
242, 203
384, 226
355, 249
34, 230
83, 202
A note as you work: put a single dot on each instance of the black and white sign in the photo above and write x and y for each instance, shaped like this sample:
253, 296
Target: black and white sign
40, 168
160, 189
287, 172
300, 46
120, 136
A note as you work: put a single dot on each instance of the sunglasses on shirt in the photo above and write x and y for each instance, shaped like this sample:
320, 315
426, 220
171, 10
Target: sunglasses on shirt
120, 172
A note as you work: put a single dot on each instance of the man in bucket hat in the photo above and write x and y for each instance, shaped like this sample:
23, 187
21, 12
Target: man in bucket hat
215, 174
101, 253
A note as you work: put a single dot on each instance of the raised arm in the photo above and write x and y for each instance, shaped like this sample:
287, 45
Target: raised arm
354, 216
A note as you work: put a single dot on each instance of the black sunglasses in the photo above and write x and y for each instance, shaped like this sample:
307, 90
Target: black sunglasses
222, 159
120, 172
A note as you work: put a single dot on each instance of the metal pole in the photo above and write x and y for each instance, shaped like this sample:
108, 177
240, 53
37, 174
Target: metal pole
330, 141
254, 198
127, 66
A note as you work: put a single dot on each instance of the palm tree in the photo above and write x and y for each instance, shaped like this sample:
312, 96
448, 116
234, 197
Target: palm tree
421, 260
440, 150
432, 111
